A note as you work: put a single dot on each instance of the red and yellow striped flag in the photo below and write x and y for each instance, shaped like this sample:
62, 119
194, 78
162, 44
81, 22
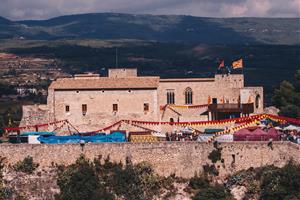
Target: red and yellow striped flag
237, 64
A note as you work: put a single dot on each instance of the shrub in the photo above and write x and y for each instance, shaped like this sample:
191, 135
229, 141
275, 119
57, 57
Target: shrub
281, 183
97, 180
210, 170
27, 165
217, 192
215, 155
79, 181
199, 182
136, 182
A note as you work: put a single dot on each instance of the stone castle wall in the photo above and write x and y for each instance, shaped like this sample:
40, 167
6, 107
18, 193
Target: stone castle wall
181, 158
224, 88
35, 114
100, 107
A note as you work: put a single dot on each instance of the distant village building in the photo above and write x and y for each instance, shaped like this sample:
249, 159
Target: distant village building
23, 91
91, 102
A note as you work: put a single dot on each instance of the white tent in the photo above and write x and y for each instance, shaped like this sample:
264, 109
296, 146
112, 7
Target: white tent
292, 128
158, 134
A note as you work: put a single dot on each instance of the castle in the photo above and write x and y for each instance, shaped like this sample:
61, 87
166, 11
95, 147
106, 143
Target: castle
91, 102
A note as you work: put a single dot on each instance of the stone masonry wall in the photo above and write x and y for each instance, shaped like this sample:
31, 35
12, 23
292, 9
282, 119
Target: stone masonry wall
100, 107
181, 158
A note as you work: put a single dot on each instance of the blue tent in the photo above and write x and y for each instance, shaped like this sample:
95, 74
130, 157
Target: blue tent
75, 139
38, 133
211, 131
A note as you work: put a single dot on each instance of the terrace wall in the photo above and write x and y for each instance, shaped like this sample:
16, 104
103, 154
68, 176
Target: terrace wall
181, 158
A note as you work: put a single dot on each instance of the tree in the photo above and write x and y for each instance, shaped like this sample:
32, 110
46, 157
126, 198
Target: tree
287, 98
6, 89
136, 182
27, 165
212, 193
85, 180
80, 181
1, 125
281, 183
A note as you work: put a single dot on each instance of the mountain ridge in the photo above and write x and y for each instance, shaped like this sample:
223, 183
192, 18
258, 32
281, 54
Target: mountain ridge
161, 28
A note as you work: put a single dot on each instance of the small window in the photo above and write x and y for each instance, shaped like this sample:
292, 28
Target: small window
257, 101
84, 109
188, 96
67, 108
170, 97
171, 120
214, 100
115, 107
146, 107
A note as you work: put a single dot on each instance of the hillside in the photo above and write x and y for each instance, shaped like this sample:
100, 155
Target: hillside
162, 28
4, 21
265, 65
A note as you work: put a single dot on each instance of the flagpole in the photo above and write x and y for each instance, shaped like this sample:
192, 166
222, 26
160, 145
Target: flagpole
242, 67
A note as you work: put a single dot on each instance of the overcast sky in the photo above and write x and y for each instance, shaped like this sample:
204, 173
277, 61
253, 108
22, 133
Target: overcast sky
44, 9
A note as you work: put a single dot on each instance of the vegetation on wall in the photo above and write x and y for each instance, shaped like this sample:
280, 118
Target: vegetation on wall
79, 181
204, 188
215, 155
281, 183
212, 193
269, 182
107, 180
103, 179
26, 165
287, 97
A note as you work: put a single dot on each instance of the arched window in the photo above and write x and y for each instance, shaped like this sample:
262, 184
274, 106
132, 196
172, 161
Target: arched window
188, 96
170, 97
257, 101
171, 120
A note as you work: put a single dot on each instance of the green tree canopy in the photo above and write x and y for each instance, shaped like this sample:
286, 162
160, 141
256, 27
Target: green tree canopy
281, 183
6, 89
287, 97
213, 193
80, 182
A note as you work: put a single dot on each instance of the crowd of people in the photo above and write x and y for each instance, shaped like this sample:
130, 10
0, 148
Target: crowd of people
292, 136
181, 136
193, 135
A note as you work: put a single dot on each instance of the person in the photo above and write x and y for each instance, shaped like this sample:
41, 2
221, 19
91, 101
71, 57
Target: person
294, 138
168, 138
270, 143
298, 140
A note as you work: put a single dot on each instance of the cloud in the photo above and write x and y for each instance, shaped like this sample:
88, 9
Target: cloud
43, 9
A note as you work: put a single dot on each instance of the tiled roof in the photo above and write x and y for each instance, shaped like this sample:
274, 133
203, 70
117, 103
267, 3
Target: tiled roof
106, 83
187, 80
